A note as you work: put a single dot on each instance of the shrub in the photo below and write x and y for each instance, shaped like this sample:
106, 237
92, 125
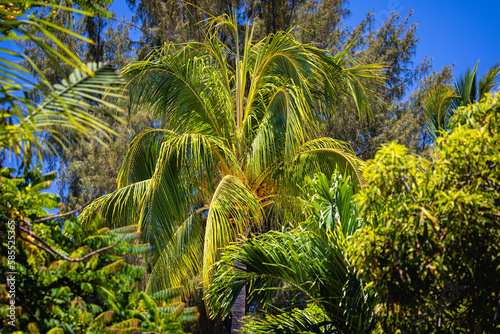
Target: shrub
433, 251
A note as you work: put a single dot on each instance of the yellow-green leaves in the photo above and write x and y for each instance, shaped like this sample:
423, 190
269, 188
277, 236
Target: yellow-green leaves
241, 130
233, 210
433, 252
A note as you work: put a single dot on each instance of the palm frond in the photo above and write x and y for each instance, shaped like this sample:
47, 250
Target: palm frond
332, 212
120, 207
288, 256
325, 155
309, 320
340, 76
233, 209
438, 109
466, 87
285, 126
179, 261
188, 169
489, 81
142, 155
65, 105
183, 88
304, 260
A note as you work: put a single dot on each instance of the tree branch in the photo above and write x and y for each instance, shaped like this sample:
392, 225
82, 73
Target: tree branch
62, 215
407, 187
27, 309
46, 247
131, 25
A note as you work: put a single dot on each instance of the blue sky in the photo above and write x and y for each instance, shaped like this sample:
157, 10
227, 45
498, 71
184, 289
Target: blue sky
451, 32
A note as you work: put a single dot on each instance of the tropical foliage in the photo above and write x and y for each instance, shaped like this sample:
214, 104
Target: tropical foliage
71, 279
223, 127
309, 259
87, 171
442, 102
64, 278
239, 133
433, 253
65, 105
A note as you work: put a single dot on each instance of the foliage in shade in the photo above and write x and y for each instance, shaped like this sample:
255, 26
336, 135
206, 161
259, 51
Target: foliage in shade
56, 295
433, 253
309, 259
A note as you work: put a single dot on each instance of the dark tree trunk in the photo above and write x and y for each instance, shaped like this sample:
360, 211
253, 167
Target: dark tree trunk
238, 307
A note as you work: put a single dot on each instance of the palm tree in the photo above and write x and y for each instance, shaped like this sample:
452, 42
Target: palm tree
309, 259
238, 131
442, 102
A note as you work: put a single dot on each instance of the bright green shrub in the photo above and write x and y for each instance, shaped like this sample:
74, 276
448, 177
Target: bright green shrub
433, 254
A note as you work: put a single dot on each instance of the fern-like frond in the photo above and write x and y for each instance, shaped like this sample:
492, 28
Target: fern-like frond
167, 294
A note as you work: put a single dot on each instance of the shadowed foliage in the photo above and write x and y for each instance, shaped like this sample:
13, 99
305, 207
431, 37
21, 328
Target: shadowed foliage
309, 259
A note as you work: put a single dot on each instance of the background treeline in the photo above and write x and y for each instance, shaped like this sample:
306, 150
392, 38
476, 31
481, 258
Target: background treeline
87, 169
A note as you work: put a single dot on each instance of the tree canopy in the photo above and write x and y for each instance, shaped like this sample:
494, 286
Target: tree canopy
240, 131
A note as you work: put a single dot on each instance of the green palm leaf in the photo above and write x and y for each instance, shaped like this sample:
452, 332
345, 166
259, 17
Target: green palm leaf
183, 253
240, 130
304, 260
442, 101
66, 105
489, 81
233, 210
327, 155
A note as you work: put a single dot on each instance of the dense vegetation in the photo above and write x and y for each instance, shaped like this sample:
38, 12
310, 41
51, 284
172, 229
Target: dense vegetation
220, 180
76, 281
433, 254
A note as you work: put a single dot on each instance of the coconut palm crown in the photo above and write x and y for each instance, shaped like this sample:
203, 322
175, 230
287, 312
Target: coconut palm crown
238, 130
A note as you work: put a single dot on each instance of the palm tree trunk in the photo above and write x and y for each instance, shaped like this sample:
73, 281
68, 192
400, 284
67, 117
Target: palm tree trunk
238, 306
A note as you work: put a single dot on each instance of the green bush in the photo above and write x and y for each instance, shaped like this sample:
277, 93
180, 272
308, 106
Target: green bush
433, 251
71, 279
